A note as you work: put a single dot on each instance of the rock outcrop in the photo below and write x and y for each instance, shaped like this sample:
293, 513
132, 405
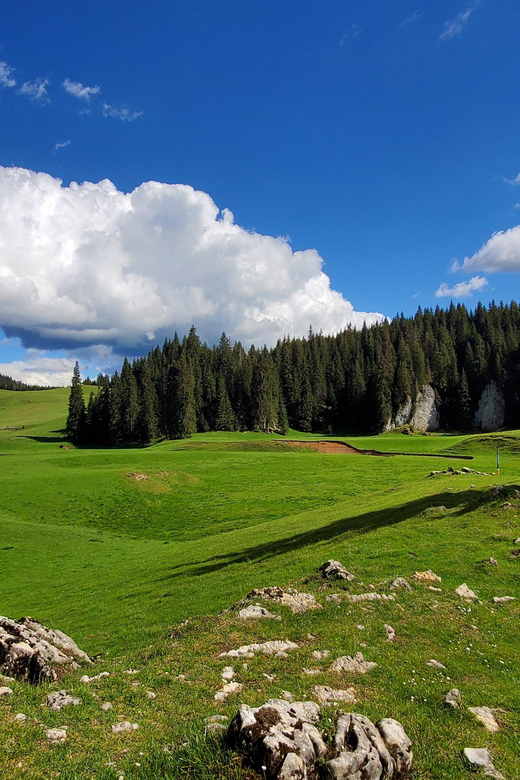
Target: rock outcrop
403, 413
425, 416
491, 409
298, 602
31, 651
282, 741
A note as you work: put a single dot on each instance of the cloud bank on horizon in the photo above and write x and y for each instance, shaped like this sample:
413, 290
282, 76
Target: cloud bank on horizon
86, 264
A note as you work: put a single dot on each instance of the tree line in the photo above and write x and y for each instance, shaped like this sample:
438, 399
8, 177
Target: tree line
354, 381
8, 383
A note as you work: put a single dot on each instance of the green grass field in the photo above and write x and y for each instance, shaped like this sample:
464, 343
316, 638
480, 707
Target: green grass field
115, 547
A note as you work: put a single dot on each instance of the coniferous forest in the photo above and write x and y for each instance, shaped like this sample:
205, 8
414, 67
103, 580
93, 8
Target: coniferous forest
352, 382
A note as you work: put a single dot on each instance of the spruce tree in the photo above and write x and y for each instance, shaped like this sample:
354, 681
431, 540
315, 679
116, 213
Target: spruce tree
76, 417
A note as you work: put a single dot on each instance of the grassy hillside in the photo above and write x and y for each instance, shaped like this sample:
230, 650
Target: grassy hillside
116, 546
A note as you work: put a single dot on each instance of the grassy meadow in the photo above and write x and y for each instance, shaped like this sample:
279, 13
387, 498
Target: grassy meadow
119, 547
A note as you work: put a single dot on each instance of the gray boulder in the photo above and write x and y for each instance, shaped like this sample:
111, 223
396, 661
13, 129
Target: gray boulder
30, 651
334, 570
425, 416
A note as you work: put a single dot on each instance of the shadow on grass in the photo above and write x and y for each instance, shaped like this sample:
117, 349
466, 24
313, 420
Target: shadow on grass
363, 523
47, 439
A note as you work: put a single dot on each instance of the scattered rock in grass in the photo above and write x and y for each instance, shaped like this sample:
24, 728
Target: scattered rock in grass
279, 738
20, 717
137, 476
216, 728
517, 541
106, 706
227, 690
151, 695
324, 694
215, 719
355, 664
435, 664
360, 627
311, 672
298, 602
370, 597
87, 679
390, 633
464, 592
453, 699
56, 735
131, 671
335, 598
29, 650
435, 590
367, 751
125, 725
503, 599
334, 570
515, 553
492, 561
320, 654
287, 695
311, 637
507, 505
400, 584
228, 673
5, 691
480, 758
272, 647
486, 717
426, 576
59, 699
255, 612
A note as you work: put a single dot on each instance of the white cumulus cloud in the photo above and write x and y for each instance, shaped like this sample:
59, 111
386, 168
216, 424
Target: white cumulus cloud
500, 253
78, 90
6, 75
124, 114
462, 289
86, 264
36, 90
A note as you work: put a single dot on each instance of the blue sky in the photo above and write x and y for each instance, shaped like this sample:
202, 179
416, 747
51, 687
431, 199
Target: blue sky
376, 143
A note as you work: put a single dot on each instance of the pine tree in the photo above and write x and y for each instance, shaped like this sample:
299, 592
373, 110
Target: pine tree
76, 417
225, 420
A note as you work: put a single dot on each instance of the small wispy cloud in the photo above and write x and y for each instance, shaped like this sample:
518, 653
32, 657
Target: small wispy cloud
36, 90
78, 90
124, 114
462, 289
455, 26
411, 19
61, 145
6, 75
356, 30
416, 295
514, 181
516, 206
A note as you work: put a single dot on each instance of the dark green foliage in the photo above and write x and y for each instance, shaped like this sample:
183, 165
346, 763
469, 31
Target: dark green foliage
355, 380
8, 383
76, 418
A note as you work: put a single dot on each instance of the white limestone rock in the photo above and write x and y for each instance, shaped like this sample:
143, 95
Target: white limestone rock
59, 699
465, 592
255, 612
425, 416
486, 717
334, 570
124, 726
272, 647
298, 602
355, 664
491, 409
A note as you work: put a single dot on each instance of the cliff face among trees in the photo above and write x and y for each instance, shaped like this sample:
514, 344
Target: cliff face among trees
354, 381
